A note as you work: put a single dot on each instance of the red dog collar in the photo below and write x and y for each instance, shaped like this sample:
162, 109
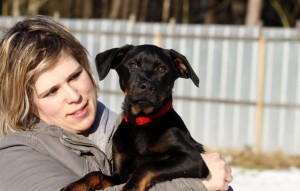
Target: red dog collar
147, 119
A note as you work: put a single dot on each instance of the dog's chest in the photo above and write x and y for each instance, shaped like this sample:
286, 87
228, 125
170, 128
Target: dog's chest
133, 140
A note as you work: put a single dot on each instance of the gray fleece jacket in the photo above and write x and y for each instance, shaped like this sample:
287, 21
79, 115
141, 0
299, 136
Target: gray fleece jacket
47, 157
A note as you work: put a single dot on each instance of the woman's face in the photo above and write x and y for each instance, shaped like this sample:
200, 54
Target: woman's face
66, 96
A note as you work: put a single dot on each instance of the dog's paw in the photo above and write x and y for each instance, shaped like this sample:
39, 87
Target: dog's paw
133, 187
77, 187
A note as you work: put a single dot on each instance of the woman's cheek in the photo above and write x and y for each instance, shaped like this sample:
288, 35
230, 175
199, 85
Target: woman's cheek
86, 84
50, 106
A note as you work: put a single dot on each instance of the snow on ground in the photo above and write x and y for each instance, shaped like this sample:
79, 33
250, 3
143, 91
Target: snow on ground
265, 180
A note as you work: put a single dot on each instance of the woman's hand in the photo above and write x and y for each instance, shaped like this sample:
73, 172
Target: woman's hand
220, 173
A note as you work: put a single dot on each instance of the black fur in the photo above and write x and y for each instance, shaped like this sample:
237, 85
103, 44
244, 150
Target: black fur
163, 148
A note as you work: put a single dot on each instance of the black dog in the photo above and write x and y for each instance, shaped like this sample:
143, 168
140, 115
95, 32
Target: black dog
152, 143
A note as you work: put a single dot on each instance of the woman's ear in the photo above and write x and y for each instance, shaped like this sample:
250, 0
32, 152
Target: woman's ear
183, 67
110, 59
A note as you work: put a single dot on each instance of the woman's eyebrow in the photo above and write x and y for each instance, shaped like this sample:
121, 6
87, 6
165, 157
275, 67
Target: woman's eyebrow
46, 91
79, 69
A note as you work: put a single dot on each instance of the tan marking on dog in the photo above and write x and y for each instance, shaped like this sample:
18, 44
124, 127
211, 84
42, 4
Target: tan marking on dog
105, 184
162, 98
135, 109
148, 110
117, 160
146, 181
159, 148
122, 83
120, 54
181, 67
96, 180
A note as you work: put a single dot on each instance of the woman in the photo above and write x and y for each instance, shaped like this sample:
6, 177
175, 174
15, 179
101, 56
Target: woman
53, 129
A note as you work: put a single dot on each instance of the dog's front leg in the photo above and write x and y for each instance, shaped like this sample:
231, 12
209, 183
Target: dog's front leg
140, 180
92, 181
176, 165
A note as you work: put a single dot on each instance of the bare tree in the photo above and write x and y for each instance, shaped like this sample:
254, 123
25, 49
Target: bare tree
87, 9
101, 8
34, 6
210, 17
238, 9
126, 9
135, 8
4, 7
76, 8
144, 10
176, 7
115, 9
253, 14
283, 16
16, 8
166, 10
186, 11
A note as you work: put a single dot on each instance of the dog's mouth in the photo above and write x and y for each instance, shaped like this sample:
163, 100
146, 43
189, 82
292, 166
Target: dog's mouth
138, 110
143, 105
143, 99
142, 102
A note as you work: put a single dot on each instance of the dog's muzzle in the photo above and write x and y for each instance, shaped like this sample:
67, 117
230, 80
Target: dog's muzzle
146, 87
144, 94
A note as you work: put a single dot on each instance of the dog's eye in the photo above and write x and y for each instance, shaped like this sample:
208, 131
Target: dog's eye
162, 69
133, 66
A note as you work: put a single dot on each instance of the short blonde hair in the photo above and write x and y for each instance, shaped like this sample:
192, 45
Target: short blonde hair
29, 47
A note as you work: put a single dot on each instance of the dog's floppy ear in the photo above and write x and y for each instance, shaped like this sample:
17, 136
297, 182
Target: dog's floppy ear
110, 59
183, 67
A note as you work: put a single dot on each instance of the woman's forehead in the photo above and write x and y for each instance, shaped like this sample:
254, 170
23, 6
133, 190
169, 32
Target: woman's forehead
58, 72
49, 63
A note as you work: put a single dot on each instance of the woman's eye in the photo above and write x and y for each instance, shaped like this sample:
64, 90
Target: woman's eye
133, 66
51, 93
75, 76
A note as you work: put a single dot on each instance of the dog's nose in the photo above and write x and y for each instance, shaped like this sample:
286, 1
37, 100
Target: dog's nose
146, 87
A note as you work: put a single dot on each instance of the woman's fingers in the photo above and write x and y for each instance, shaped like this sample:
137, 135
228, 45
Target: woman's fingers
220, 172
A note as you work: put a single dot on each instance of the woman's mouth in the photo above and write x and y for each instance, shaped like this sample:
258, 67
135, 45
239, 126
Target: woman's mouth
81, 113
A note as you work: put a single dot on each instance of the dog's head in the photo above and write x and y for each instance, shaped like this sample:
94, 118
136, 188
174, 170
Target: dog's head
146, 74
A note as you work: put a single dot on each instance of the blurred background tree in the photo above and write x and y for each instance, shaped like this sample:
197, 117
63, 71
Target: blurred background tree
280, 13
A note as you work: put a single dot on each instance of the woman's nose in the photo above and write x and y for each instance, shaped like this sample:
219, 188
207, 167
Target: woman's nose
72, 94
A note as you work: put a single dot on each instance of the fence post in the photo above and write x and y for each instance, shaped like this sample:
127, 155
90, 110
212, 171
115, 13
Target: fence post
260, 87
157, 39
298, 28
131, 24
